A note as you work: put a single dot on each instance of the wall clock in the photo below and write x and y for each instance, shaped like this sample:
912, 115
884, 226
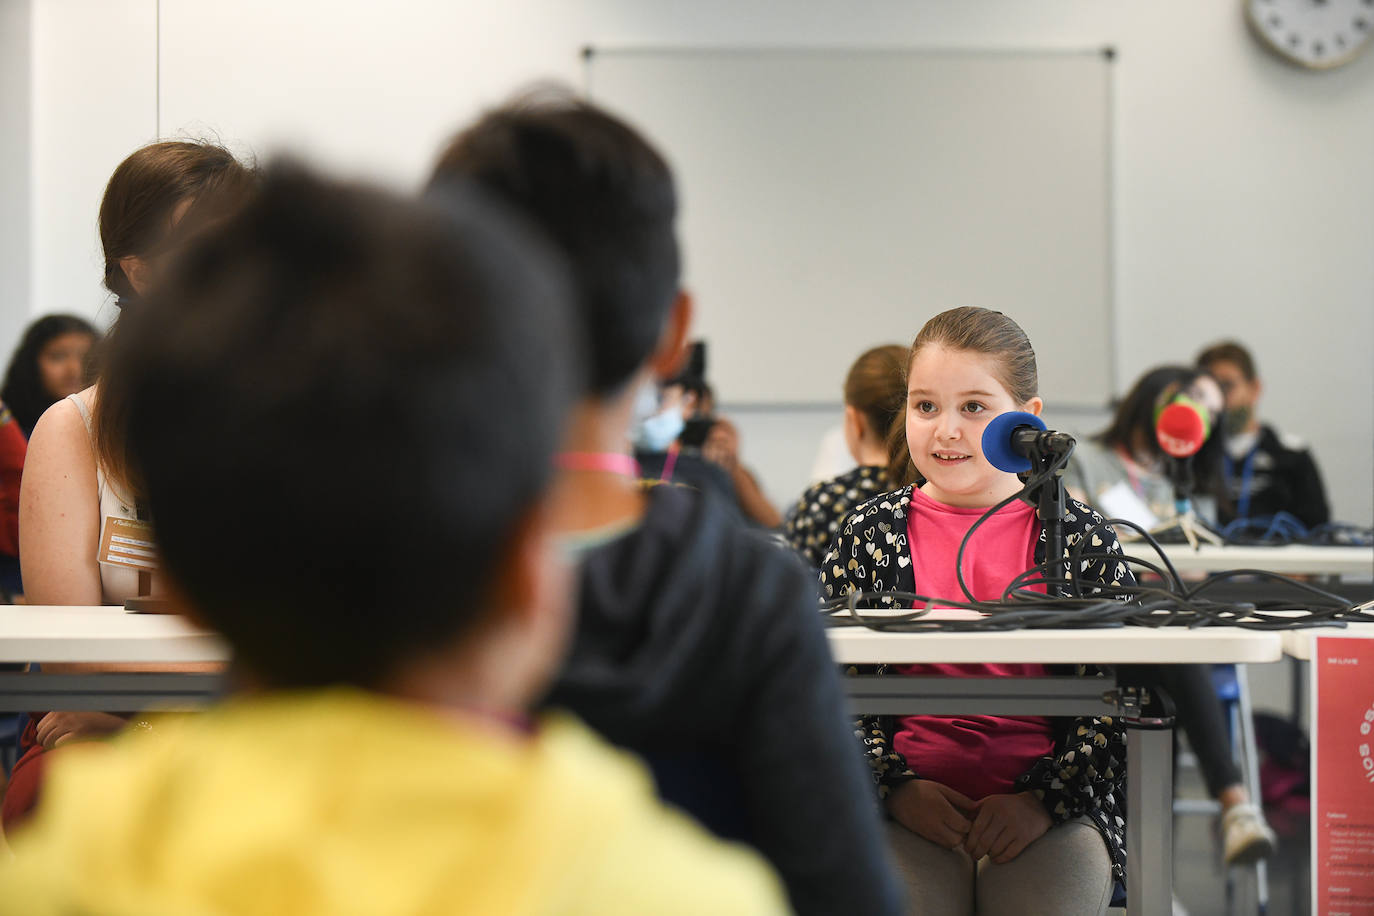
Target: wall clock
1317, 34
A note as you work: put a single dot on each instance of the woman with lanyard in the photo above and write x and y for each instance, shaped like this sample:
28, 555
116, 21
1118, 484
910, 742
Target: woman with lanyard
83, 533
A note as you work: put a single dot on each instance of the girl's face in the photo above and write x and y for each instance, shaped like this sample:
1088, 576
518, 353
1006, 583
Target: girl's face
61, 364
951, 396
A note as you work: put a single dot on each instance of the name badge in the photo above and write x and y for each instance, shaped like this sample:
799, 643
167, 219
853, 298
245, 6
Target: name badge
127, 542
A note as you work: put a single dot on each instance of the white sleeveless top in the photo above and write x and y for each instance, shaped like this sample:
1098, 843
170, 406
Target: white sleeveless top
116, 582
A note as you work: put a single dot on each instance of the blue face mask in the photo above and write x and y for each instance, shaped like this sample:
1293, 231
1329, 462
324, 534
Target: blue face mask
654, 430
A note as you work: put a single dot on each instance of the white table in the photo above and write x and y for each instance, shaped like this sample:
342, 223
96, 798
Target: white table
1288, 560
32, 633
107, 634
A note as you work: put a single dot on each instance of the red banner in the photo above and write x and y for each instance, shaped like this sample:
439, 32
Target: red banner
1343, 794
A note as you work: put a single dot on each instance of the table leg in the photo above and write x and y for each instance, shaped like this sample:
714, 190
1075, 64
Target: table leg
1149, 821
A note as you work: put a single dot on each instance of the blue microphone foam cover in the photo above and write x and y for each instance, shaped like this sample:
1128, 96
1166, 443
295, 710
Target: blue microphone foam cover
997, 440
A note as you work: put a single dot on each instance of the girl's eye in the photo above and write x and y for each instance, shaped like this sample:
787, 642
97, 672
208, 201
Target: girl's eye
925, 407
974, 407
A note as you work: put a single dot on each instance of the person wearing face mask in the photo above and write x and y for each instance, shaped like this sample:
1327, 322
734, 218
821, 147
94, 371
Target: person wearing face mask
705, 450
660, 418
1266, 473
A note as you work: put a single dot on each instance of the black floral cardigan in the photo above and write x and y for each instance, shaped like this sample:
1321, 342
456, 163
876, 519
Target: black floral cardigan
1086, 775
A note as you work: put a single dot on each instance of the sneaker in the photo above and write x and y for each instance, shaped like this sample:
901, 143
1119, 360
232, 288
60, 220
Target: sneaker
1246, 838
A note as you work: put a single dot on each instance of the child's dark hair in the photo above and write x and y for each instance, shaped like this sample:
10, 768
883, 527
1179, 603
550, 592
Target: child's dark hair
24, 393
1228, 351
975, 330
343, 403
605, 196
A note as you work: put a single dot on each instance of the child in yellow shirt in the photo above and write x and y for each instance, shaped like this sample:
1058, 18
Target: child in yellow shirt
311, 395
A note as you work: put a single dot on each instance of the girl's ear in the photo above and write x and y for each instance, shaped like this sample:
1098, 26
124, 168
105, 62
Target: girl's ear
853, 430
1034, 405
138, 270
853, 422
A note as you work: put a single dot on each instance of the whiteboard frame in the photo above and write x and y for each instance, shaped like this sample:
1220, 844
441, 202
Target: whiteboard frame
1107, 52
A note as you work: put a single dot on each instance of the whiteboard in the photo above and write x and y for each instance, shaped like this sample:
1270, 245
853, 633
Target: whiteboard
832, 200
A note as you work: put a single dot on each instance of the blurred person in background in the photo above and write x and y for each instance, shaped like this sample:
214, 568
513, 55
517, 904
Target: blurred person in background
49, 364
1266, 472
874, 398
1124, 473
705, 451
384, 759
698, 645
76, 480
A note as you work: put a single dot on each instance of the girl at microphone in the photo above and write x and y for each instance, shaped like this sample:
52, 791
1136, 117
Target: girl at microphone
991, 814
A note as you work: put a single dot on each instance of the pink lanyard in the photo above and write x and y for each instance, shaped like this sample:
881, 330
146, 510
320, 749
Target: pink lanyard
670, 462
613, 462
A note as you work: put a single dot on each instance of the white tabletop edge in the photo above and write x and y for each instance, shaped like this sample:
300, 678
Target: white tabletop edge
1301, 644
1126, 645
1288, 559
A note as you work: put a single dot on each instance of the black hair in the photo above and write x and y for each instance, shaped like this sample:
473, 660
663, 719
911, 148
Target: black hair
605, 196
343, 405
1132, 427
1229, 351
24, 393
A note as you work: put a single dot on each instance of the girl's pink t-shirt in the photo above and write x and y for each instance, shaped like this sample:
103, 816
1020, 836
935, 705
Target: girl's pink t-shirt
975, 755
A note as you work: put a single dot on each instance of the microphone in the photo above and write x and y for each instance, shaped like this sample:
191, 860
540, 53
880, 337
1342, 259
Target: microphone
1182, 427
1011, 439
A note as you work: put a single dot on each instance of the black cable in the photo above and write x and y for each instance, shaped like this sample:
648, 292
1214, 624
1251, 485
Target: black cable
1028, 486
1172, 604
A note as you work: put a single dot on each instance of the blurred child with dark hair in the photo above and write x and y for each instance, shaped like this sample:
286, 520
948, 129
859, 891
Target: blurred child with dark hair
310, 396
698, 644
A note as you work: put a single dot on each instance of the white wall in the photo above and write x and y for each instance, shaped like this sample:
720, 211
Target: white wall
94, 102
1244, 190
15, 93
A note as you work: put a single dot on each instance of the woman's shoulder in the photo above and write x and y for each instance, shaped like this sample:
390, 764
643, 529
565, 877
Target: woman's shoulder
847, 488
66, 421
884, 507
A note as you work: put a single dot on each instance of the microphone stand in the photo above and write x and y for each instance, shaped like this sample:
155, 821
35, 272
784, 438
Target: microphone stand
1194, 530
1050, 508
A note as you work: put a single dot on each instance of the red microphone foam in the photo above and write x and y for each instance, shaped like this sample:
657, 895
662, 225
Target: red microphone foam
1181, 430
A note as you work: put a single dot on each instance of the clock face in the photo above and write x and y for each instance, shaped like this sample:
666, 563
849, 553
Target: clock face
1313, 33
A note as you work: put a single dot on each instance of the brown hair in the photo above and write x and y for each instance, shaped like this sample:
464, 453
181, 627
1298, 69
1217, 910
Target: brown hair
1228, 351
876, 385
974, 330
136, 216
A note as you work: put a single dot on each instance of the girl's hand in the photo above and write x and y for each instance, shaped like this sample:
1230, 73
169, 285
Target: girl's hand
57, 728
1005, 825
933, 811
